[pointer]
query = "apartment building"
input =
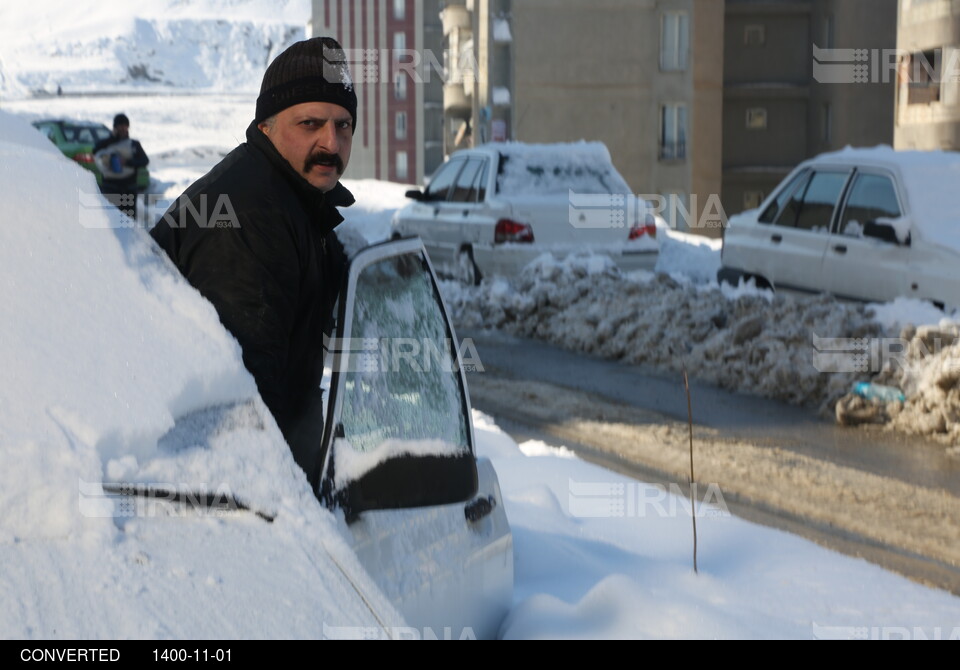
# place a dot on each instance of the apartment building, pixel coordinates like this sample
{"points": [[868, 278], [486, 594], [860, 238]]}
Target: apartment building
{"points": [[705, 105], [801, 77], [395, 52], [643, 77], [928, 55]]}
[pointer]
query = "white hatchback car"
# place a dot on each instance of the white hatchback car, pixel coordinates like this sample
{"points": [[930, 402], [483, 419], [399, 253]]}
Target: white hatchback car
{"points": [[494, 208], [863, 224]]}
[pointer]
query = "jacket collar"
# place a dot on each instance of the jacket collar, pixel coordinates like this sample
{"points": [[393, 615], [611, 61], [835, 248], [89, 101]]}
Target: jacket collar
{"points": [[312, 197]]}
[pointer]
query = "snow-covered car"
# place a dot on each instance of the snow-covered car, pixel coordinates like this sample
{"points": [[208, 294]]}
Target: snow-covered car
{"points": [[864, 224], [494, 208], [147, 492]]}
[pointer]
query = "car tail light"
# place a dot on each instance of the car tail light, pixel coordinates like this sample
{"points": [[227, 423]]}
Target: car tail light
{"points": [[511, 231], [647, 229], [83, 158]]}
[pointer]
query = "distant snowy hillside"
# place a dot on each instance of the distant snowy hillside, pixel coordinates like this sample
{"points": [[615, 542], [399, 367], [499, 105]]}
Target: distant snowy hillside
{"points": [[155, 45]]}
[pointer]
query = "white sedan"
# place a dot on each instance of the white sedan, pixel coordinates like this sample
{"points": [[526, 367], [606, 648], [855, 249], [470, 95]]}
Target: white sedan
{"points": [[493, 209], [863, 224]]}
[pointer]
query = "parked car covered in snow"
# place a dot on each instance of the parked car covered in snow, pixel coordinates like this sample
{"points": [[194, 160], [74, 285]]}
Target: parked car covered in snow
{"points": [[494, 208], [863, 224], [145, 489]]}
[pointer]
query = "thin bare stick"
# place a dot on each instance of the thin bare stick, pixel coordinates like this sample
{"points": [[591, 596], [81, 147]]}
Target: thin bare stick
{"points": [[693, 486]]}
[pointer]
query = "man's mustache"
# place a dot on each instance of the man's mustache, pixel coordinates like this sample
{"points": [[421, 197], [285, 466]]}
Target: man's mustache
{"points": [[325, 159]]}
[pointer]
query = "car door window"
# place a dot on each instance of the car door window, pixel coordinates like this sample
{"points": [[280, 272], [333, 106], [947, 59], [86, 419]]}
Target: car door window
{"points": [[775, 210], [872, 197], [85, 135], [482, 181], [402, 435], [465, 188], [820, 201], [443, 179]]}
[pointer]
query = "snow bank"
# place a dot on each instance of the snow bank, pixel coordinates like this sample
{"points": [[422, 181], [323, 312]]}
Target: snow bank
{"points": [[693, 256], [751, 342]]}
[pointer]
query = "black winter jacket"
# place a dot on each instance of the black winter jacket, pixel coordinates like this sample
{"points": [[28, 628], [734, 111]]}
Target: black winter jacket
{"points": [[257, 240]]}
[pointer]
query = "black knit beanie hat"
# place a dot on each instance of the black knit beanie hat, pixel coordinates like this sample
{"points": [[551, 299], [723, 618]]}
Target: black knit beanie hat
{"points": [[313, 70]]}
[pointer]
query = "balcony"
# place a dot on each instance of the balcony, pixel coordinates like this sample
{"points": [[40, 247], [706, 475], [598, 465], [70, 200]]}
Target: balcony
{"points": [[455, 17], [455, 100]]}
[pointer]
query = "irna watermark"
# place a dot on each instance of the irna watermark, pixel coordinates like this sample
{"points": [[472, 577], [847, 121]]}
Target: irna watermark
{"points": [[595, 500]]}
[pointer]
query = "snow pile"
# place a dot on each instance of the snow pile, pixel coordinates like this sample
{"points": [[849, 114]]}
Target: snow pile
{"points": [[627, 574], [694, 256], [368, 219], [147, 45], [750, 341], [924, 362]]}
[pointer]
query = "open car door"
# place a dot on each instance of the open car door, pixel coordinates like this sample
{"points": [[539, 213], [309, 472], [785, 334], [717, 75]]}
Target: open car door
{"points": [[424, 516]]}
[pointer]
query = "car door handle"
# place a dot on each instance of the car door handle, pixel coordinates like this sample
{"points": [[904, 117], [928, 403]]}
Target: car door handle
{"points": [[479, 508], [776, 239], [840, 248]]}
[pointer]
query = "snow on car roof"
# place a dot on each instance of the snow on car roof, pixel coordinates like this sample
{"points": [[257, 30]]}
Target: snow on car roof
{"points": [[930, 179], [581, 167]]}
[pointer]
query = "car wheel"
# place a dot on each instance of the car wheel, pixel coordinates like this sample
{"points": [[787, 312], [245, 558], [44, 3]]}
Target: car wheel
{"points": [[468, 273], [733, 277]]}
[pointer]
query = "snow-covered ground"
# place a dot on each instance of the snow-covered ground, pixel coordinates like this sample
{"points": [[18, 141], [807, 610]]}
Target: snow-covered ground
{"points": [[97, 365]]}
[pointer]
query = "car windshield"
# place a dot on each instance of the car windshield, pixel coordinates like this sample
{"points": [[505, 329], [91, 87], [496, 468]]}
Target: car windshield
{"points": [[85, 134]]}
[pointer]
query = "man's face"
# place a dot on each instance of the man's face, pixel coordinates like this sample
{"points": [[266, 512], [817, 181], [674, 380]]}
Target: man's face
{"points": [[315, 138], [122, 131]]}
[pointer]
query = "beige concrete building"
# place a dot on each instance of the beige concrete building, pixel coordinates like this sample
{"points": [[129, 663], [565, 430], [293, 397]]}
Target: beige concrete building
{"points": [[477, 96], [644, 77], [928, 53], [801, 77], [704, 104]]}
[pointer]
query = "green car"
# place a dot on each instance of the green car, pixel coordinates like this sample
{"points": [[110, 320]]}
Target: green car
{"points": [[76, 140]]}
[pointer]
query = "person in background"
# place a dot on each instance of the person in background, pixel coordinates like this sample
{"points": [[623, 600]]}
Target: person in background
{"points": [[118, 158]]}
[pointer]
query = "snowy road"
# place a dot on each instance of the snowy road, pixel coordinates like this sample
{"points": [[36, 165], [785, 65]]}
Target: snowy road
{"points": [[884, 497]]}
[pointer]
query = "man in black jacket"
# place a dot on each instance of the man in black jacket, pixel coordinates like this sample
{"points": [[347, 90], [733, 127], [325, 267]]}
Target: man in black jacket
{"points": [[255, 234], [119, 158]]}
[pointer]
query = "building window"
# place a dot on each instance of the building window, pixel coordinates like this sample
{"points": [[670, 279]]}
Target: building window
{"points": [[757, 118], [399, 9], [924, 74], [828, 32], [673, 132], [754, 35], [752, 199], [827, 127], [401, 165], [674, 41], [400, 86], [401, 125]]}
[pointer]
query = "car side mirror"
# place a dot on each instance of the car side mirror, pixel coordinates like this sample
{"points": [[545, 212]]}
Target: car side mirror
{"points": [[415, 194], [885, 232]]}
